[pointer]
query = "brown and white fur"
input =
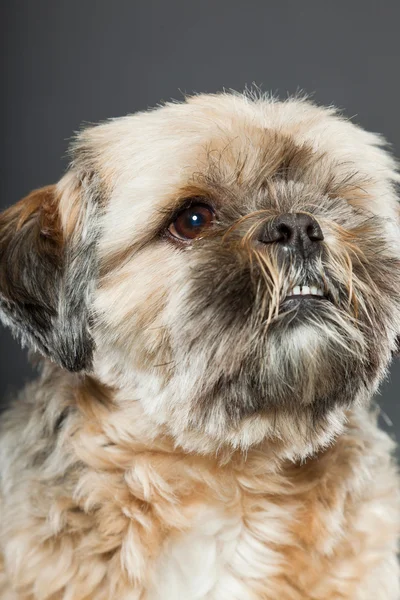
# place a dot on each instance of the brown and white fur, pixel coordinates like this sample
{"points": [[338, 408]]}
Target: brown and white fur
{"points": [[190, 437]]}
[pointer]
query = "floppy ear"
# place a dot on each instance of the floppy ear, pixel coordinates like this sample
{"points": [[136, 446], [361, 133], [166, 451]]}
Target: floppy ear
{"points": [[46, 271]]}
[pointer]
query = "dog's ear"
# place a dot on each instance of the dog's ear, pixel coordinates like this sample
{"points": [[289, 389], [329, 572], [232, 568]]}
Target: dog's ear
{"points": [[46, 268]]}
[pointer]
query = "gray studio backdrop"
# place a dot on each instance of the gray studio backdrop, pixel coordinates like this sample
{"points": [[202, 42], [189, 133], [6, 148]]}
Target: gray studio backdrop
{"points": [[64, 63]]}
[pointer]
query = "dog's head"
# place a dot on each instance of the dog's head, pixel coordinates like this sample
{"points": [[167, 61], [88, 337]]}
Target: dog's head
{"points": [[231, 263]]}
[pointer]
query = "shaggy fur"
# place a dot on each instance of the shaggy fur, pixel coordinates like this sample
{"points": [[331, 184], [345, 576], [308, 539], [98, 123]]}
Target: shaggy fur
{"points": [[193, 434]]}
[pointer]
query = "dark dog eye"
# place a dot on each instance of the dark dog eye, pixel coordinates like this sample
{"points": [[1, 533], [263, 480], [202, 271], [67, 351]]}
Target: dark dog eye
{"points": [[192, 222]]}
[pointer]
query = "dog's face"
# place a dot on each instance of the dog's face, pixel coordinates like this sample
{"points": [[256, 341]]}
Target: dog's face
{"points": [[232, 264]]}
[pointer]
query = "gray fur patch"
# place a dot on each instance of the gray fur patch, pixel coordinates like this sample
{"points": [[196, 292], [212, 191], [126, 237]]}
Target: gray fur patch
{"points": [[45, 282]]}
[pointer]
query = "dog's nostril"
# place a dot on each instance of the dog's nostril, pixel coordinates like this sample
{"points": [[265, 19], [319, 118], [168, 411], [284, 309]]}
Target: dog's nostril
{"points": [[314, 232], [285, 231]]}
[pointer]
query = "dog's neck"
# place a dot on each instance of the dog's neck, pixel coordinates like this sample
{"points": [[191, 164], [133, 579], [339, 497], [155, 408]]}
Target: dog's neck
{"points": [[112, 428]]}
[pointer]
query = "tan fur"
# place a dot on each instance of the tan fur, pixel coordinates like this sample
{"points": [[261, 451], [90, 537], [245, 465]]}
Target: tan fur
{"points": [[124, 481], [100, 517], [41, 204]]}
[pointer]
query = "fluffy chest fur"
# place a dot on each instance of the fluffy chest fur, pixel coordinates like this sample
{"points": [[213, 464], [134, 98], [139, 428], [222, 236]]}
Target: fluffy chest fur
{"points": [[260, 547], [224, 555], [93, 518]]}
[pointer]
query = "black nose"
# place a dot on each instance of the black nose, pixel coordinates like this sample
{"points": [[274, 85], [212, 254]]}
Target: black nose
{"points": [[298, 231]]}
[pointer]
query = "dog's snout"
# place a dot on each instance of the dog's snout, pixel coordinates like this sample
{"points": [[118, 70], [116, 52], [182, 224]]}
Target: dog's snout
{"points": [[298, 231]]}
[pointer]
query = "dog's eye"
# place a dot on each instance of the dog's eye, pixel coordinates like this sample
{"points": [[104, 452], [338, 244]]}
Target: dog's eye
{"points": [[192, 222]]}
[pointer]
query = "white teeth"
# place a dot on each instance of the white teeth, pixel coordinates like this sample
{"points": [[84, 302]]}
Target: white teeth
{"points": [[305, 290]]}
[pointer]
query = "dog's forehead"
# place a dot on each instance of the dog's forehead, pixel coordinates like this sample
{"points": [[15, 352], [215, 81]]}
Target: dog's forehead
{"points": [[177, 139], [127, 146], [146, 160]]}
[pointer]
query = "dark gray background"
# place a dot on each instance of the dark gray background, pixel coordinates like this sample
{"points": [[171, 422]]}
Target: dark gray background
{"points": [[64, 63]]}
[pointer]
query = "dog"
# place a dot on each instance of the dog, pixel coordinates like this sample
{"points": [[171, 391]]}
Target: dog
{"points": [[214, 289]]}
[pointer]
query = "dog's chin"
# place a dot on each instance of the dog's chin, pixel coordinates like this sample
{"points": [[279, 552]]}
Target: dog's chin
{"points": [[291, 387]]}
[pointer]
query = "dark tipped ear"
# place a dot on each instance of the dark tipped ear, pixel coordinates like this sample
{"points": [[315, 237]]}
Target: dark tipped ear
{"points": [[44, 278]]}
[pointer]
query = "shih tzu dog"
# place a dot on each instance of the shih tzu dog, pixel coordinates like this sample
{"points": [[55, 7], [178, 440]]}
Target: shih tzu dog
{"points": [[214, 287]]}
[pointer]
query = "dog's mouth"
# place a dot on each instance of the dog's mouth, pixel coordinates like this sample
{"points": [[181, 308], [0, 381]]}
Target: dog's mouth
{"points": [[306, 292]]}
